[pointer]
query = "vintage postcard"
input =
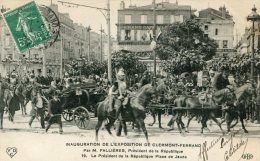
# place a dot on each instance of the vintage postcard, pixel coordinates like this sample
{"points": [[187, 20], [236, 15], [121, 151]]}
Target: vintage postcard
{"points": [[159, 80]]}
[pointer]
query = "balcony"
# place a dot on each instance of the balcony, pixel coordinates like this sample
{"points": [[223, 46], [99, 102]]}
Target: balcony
{"points": [[133, 42]]}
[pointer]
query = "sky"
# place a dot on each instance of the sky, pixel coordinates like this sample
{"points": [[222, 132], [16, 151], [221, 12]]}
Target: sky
{"points": [[239, 9]]}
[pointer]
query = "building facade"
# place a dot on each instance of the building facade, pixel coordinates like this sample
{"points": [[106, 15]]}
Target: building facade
{"points": [[73, 43], [135, 24], [219, 25], [244, 46]]}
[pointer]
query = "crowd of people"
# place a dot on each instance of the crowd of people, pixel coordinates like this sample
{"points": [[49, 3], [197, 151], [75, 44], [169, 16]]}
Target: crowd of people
{"points": [[168, 87]]}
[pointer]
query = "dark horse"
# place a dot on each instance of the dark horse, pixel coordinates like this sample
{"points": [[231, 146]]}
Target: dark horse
{"points": [[194, 107], [136, 106], [21, 91], [12, 103], [234, 109], [239, 109]]}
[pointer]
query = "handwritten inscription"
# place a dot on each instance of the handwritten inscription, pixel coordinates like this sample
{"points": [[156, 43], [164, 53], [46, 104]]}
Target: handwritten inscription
{"points": [[220, 143]]}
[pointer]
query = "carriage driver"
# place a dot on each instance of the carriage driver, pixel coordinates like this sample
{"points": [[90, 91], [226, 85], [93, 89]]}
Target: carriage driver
{"points": [[222, 86]]}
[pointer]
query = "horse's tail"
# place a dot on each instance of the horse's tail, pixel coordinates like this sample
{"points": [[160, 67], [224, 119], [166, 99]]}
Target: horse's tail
{"points": [[101, 110]]}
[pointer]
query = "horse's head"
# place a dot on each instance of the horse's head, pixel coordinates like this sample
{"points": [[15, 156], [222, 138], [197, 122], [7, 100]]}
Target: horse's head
{"points": [[146, 92], [244, 92]]}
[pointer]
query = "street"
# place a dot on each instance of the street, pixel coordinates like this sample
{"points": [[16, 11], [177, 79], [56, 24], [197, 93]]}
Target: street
{"points": [[20, 125], [28, 140]]}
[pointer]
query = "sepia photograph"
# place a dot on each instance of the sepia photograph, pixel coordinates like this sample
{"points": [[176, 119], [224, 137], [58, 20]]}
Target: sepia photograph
{"points": [[108, 80]]}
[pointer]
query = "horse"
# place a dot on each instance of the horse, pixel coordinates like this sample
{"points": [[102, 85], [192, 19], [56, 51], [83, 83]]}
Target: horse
{"points": [[12, 103], [166, 98], [234, 108], [135, 107], [239, 109], [194, 107], [21, 92]]}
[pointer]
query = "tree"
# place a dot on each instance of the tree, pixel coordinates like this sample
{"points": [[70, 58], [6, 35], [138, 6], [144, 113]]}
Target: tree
{"points": [[184, 47], [129, 62]]}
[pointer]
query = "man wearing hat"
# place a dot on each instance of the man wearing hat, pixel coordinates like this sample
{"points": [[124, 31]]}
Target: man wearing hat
{"points": [[49, 78], [40, 79], [55, 110], [221, 85]]}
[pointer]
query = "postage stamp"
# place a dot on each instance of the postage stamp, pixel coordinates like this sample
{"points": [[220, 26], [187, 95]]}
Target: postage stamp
{"points": [[27, 26]]}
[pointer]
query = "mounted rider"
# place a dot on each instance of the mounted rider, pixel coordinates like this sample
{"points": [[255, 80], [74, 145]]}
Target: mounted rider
{"points": [[223, 90], [13, 80], [122, 89]]}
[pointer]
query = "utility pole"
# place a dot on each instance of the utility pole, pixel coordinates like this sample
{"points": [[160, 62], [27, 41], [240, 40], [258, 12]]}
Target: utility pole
{"points": [[109, 62], [61, 58], [154, 37], [44, 71], [101, 43]]}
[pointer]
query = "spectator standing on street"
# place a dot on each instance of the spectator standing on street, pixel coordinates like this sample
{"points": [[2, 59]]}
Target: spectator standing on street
{"points": [[37, 109], [40, 79], [3, 86], [55, 110]]}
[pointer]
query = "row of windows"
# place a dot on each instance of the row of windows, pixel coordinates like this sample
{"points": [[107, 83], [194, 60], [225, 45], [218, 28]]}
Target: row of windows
{"points": [[159, 19], [137, 35], [224, 43]]}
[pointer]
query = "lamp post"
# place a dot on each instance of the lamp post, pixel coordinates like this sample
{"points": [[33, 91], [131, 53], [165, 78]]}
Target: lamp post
{"points": [[88, 30], [254, 16]]}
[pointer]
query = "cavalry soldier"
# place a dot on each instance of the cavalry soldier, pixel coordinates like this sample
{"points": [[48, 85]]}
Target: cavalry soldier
{"points": [[112, 94], [13, 80], [122, 90]]}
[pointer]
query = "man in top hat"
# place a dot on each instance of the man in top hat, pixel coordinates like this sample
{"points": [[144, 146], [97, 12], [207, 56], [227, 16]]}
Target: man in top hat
{"points": [[49, 78], [40, 79], [221, 85]]}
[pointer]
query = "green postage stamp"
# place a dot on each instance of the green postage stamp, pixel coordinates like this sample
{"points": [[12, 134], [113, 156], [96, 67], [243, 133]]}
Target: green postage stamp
{"points": [[26, 26]]}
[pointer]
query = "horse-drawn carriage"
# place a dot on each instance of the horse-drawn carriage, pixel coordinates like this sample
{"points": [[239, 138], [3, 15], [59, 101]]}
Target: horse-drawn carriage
{"points": [[79, 103]]}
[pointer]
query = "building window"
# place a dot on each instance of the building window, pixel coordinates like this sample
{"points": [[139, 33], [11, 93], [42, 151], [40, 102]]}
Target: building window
{"points": [[206, 27], [217, 42], [176, 18], [128, 19], [127, 35], [159, 19], [181, 18], [225, 44], [216, 31], [143, 19]]}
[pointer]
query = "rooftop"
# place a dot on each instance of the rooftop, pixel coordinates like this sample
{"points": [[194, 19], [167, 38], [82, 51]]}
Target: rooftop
{"points": [[161, 6]]}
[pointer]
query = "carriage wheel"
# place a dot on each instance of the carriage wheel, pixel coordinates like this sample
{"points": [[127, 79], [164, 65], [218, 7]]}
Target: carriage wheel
{"points": [[67, 115], [81, 117]]}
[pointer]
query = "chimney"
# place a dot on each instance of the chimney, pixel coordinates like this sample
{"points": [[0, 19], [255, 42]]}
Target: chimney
{"points": [[122, 5], [223, 12]]}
